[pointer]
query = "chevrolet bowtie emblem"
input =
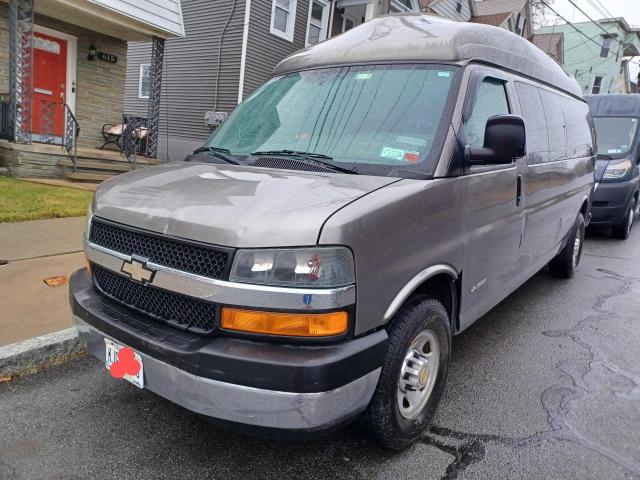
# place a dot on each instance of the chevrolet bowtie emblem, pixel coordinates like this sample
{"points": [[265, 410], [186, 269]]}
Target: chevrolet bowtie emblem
{"points": [[138, 271]]}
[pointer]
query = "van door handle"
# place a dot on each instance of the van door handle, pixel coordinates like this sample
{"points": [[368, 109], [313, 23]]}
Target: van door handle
{"points": [[519, 191]]}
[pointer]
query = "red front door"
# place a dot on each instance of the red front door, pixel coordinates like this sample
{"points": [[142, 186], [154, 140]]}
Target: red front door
{"points": [[49, 84]]}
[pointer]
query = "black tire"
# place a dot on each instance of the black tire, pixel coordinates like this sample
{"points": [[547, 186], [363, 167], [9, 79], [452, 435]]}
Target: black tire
{"points": [[565, 263], [623, 230], [383, 419]]}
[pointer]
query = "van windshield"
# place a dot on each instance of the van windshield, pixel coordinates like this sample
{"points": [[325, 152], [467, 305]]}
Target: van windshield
{"points": [[382, 119], [616, 135]]}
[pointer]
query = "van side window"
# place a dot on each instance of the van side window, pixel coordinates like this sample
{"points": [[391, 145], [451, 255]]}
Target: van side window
{"points": [[579, 139], [556, 125], [535, 123], [491, 100]]}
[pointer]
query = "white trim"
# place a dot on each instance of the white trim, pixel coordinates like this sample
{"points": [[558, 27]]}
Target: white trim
{"points": [[291, 21], [142, 65], [245, 41], [72, 61], [324, 21], [332, 12]]}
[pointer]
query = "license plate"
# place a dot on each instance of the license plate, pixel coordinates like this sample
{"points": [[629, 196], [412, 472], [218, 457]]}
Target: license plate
{"points": [[111, 357]]}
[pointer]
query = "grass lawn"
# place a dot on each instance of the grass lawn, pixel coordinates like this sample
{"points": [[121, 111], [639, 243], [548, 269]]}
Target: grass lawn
{"points": [[21, 200]]}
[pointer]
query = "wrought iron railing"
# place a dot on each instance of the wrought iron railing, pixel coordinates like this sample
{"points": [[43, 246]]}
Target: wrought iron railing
{"points": [[134, 137], [6, 130], [71, 132]]}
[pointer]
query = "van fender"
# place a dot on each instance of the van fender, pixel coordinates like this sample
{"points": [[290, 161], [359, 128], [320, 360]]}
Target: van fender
{"points": [[406, 291]]}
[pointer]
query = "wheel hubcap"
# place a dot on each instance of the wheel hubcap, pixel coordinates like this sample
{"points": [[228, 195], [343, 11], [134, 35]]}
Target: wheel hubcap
{"points": [[418, 374], [630, 223], [576, 249]]}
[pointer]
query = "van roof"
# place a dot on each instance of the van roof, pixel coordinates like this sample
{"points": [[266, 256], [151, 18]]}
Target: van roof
{"points": [[415, 37], [615, 105]]}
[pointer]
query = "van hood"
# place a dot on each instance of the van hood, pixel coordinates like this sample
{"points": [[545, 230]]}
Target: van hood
{"points": [[230, 205]]}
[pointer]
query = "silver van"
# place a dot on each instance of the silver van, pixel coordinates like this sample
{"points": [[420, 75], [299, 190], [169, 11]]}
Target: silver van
{"points": [[311, 263]]}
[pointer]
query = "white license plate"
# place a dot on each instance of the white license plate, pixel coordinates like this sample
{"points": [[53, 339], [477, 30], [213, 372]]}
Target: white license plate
{"points": [[111, 357]]}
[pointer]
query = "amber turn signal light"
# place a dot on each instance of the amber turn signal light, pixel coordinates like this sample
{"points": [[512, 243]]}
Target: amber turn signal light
{"points": [[88, 266], [285, 324]]}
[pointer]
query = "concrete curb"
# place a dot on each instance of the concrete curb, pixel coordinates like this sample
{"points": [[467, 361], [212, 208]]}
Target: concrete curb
{"points": [[32, 355]]}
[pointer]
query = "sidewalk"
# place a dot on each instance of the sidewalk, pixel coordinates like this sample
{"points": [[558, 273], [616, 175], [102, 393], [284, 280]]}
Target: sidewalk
{"points": [[37, 250]]}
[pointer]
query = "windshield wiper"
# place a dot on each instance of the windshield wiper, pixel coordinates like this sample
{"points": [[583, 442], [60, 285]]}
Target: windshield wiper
{"points": [[603, 155], [309, 157], [221, 153]]}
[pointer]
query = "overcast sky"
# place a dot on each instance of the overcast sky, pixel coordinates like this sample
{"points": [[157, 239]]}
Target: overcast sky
{"points": [[629, 9]]}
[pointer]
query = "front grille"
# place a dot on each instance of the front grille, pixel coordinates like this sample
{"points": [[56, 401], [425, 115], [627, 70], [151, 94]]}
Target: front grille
{"points": [[207, 261], [196, 315]]}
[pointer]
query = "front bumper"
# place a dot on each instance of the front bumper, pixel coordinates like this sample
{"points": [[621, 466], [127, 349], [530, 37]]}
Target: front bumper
{"points": [[610, 202], [262, 384]]}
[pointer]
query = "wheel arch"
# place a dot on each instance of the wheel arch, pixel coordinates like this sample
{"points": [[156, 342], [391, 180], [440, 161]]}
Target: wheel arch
{"points": [[440, 282]]}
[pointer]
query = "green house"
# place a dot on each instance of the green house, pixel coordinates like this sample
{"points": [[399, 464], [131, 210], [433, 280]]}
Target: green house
{"points": [[597, 56]]}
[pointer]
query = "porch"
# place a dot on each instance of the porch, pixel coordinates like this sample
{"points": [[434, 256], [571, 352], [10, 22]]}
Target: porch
{"points": [[91, 165], [62, 78]]}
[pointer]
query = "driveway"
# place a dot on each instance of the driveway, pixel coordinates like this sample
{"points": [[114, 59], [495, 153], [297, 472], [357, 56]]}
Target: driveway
{"points": [[547, 385]]}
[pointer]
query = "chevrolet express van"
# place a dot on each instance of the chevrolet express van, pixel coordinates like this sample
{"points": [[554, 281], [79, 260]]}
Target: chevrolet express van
{"points": [[311, 263], [615, 199]]}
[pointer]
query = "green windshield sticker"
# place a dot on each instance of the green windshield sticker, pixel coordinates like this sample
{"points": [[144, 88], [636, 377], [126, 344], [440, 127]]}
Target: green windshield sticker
{"points": [[363, 76], [394, 153], [444, 74]]}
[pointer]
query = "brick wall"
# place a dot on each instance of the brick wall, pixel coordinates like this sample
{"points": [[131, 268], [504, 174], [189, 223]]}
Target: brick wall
{"points": [[99, 85]]}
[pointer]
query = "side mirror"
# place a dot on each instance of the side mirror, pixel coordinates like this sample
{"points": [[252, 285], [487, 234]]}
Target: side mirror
{"points": [[504, 139]]}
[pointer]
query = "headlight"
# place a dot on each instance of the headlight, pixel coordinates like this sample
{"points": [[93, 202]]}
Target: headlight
{"points": [[318, 267], [618, 170]]}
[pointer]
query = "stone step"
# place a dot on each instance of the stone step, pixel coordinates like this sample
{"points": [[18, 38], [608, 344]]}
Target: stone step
{"points": [[83, 164], [88, 177]]}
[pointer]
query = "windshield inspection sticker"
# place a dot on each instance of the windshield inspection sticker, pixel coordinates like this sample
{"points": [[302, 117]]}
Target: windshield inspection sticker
{"points": [[413, 157], [394, 153], [363, 76], [444, 74]]}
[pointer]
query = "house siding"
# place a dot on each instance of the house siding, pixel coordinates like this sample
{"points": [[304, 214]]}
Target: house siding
{"points": [[164, 14], [582, 57], [99, 85], [265, 50], [447, 9], [190, 74]]}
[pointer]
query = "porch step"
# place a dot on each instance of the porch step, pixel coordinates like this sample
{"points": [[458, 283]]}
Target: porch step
{"points": [[87, 177], [84, 164]]}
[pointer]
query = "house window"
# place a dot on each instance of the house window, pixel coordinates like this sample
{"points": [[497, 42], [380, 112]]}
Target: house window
{"points": [[606, 46], [283, 17], [145, 80], [318, 21], [405, 6], [597, 84]]}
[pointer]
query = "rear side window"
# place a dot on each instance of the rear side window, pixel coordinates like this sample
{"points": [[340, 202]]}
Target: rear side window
{"points": [[491, 100], [552, 103], [579, 139], [535, 122]]}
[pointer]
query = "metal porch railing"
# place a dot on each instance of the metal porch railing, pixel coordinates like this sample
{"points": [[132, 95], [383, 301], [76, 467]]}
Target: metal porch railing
{"points": [[71, 132]]}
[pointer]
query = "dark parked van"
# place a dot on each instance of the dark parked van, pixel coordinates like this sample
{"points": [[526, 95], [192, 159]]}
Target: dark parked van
{"points": [[312, 262], [615, 199]]}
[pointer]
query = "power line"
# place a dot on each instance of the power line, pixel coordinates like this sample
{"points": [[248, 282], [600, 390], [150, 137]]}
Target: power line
{"points": [[577, 29]]}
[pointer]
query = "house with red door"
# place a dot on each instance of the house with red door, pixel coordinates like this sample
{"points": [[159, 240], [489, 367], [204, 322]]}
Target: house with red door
{"points": [[63, 69]]}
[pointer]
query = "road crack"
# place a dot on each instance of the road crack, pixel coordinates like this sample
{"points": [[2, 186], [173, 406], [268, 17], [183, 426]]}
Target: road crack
{"points": [[556, 400]]}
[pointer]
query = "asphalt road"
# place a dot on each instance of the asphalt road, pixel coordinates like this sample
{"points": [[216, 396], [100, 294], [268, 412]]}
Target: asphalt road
{"points": [[547, 385]]}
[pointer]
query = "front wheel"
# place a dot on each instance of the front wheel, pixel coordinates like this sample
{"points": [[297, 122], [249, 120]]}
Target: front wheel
{"points": [[623, 230], [414, 373], [564, 264]]}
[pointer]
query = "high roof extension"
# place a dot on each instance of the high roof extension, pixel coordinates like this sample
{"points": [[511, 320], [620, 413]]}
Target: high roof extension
{"points": [[415, 37]]}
